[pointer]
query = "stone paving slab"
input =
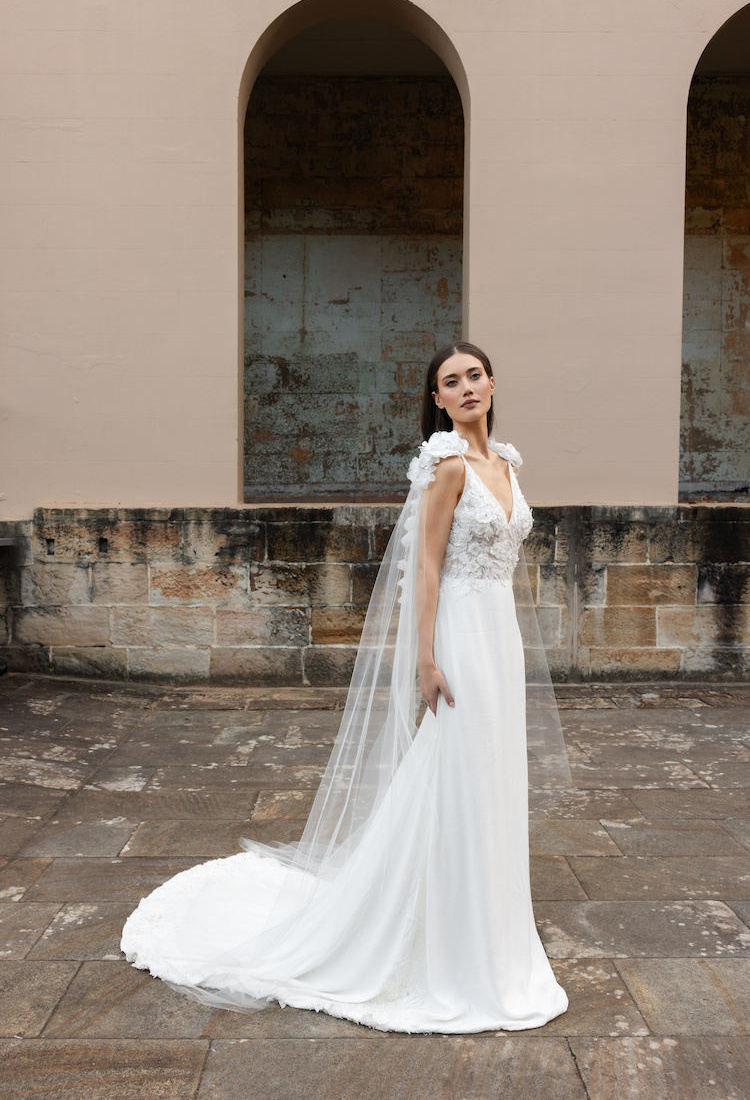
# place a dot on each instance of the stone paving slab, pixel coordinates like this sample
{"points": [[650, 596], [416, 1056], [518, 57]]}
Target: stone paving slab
{"points": [[670, 772], [294, 727], [124, 778], [720, 766], [94, 879], [623, 754], [29, 992], [282, 805], [552, 877], [235, 779], [107, 1000], [668, 727], [22, 925], [616, 805], [314, 755], [577, 837], [101, 1069], [158, 805], [55, 764], [17, 875], [600, 1002], [658, 1067], [640, 880], [273, 831], [173, 839], [27, 800], [739, 829], [719, 1000], [153, 752], [202, 726], [81, 930], [669, 877], [397, 1067], [741, 909], [15, 832], [624, 929], [680, 805], [94, 838], [674, 838]]}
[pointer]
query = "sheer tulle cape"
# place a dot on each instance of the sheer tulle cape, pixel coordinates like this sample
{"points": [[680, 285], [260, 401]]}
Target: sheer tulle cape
{"points": [[379, 723]]}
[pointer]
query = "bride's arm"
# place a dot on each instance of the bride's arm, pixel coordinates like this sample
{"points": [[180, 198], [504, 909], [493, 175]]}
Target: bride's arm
{"points": [[438, 504]]}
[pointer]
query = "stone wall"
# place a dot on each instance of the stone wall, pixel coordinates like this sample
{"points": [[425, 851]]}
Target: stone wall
{"points": [[715, 414], [277, 595], [353, 223]]}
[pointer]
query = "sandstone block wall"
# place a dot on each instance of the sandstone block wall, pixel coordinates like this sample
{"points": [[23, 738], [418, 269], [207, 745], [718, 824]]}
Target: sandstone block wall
{"points": [[277, 595]]}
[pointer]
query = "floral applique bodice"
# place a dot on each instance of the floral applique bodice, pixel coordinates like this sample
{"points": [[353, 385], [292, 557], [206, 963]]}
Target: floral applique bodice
{"points": [[483, 545]]}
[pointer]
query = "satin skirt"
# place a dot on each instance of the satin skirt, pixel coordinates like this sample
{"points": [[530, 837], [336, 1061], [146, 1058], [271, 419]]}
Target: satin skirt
{"points": [[445, 941]]}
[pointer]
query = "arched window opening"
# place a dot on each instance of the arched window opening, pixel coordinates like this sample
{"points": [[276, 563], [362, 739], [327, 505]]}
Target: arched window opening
{"points": [[715, 409], [353, 149]]}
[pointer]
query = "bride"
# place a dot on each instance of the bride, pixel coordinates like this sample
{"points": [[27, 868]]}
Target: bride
{"points": [[406, 904]]}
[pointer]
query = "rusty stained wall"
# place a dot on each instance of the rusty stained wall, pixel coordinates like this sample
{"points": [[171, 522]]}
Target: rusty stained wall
{"points": [[715, 422], [354, 195]]}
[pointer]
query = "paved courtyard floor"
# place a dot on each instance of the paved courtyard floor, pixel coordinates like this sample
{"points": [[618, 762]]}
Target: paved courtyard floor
{"points": [[641, 892]]}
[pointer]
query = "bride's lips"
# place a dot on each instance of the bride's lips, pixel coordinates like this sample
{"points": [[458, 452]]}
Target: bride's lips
{"points": [[469, 403]]}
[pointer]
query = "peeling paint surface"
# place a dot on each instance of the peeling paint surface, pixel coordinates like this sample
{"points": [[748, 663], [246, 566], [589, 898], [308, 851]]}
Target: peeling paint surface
{"points": [[352, 278], [715, 407]]}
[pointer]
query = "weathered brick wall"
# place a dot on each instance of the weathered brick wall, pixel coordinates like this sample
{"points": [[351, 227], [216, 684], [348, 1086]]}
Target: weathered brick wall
{"points": [[277, 595], [715, 414], [354, 205]]}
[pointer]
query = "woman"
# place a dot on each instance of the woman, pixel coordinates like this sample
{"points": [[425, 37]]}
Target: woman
{"points": [[406, 903]]}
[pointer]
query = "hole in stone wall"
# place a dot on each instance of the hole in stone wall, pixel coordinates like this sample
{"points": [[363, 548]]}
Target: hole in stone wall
{"points": [[354, 141], [103, 546], [715, 409], [50, 543]]}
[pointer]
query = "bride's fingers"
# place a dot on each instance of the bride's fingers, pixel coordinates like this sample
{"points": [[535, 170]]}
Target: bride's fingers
{"points": [[446, 691], [437, 687]]}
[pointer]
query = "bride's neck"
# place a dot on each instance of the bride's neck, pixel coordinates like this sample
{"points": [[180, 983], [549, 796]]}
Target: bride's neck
{"points": [[477, 437]]}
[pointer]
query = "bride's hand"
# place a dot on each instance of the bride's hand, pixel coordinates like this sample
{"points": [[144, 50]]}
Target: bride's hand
{"points": [[431, 684]]}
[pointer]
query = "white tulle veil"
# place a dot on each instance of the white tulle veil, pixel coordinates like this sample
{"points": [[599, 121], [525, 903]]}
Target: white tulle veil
{"points": [[380, 722]]}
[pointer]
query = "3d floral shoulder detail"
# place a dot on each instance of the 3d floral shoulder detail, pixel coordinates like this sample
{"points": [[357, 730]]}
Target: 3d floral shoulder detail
{"points": [[439, 445], [507, 450]]}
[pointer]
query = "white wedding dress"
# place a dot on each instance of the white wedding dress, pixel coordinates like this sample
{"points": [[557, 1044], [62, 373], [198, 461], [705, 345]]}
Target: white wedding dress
{"points": [[449, 943]]}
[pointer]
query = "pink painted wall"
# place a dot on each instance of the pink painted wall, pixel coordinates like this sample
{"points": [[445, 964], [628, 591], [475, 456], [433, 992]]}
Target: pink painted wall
{"points": [[121, 230]]}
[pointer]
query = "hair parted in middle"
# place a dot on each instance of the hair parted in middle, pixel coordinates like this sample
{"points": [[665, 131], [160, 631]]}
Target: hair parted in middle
{"points": [[435, 419]]}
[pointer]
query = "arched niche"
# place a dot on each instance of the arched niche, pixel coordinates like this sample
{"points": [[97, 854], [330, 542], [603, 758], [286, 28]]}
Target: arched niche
{"points": [[353, 154], [715, 405]]}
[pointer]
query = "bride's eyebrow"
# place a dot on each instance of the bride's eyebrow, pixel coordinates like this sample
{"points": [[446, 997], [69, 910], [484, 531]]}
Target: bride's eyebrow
{"points": [[469, 371]]}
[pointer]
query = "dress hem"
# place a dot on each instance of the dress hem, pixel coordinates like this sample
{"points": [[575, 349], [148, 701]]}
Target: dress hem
{"points": [[333, 1009]]}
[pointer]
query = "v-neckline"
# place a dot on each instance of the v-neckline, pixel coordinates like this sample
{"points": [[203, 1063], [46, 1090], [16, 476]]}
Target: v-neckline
{"points": [[487, 489]]}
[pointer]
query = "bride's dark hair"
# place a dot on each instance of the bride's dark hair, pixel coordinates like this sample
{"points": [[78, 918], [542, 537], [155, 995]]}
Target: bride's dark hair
{"points": [[433, 418]]}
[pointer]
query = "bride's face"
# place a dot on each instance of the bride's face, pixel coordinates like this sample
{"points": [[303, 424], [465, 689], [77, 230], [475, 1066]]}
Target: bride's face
{"points": [[464, 389]]}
